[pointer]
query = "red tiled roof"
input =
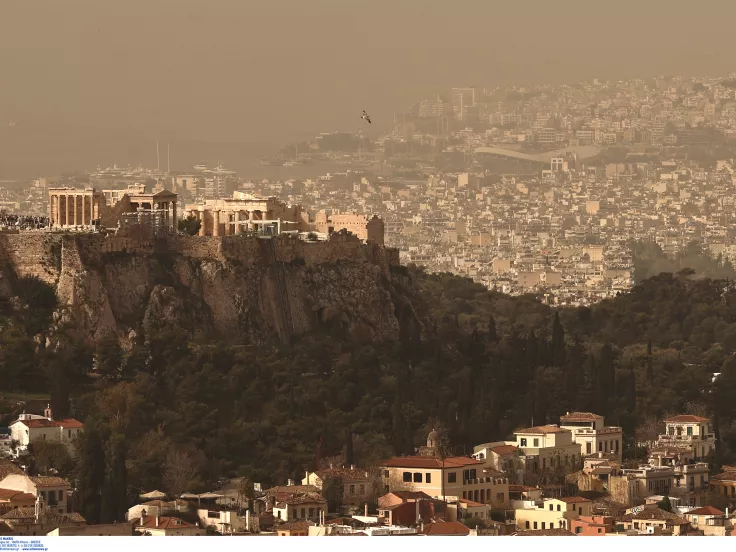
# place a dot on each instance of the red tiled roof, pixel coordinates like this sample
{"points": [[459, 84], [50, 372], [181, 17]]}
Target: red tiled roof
{"points": [[149, 522], [544, 533], [580, 417], [445, 528], [541, 430], [343, 473], [70, 423], [10, 495], [410, 495], [427, 462], [705, 511], [686, 419], [46, 481], [503, 450]]}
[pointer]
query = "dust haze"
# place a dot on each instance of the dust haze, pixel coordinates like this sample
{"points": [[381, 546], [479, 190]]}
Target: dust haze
{"points": [[92, 81]]}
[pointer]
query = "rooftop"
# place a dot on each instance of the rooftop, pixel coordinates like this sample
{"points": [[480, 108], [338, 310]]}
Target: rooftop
{"points": [[540, 430], [686, 419], [580, 417], [427, 462]]}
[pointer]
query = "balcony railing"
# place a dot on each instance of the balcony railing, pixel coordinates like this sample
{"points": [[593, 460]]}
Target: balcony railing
{"points": [[704, 437], [602, 431], [480, 480]]}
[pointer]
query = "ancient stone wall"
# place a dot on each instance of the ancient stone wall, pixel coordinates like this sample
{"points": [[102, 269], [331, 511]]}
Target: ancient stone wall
{"points": [[32, 254]]}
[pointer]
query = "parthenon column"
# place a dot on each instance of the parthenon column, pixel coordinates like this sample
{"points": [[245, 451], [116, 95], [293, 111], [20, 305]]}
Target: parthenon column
{"points": [[84, 210], [76, 210], [66, 208]]}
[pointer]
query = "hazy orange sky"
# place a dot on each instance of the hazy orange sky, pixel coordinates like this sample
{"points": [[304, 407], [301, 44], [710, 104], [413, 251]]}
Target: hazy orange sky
{"points": [[275, 70]]}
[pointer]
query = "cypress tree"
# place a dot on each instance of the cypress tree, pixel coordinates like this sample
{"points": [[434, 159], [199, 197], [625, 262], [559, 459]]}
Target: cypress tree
{"points": [[558, 342], [91, 474]]}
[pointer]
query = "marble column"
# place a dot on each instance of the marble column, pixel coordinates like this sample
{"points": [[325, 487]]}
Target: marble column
{"points": [[76, 209], [201, 222], [216, 222], [84, 210], [66, 209]]}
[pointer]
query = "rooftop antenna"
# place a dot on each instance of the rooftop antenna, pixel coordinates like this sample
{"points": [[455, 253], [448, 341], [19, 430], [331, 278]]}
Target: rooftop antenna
{"points": [[168, 157], [158, 158]]}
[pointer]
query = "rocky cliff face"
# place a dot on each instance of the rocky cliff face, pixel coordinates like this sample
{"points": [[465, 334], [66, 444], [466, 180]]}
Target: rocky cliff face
{"points": [[255, 297]]}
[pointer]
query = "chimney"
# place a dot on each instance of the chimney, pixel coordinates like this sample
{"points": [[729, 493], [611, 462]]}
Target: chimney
{"points": [[143, 515], [290, 483], [418, 517], [247, 520], [366, 509], [38, 508], [157, 519], [306, 476]]}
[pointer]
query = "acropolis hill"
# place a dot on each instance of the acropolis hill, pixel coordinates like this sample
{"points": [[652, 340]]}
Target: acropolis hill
{"points": [[246, 286]]}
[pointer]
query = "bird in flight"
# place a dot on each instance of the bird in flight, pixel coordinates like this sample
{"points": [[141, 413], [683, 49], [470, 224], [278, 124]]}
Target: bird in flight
{"points": [[365, 116]]}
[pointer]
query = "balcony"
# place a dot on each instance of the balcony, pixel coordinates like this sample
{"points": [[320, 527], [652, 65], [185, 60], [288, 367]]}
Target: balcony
{"points": [[608, 430], [688, 438], [482, 480]]}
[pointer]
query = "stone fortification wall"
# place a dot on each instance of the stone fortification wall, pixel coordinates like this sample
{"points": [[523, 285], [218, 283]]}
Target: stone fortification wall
{"points": [[32, 254], [43, 254]]}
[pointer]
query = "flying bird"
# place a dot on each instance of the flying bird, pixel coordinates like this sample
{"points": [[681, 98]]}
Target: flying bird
{"points": [[366, 117]]}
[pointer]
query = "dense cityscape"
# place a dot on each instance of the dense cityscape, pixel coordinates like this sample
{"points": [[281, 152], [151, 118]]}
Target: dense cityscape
{"points": [[571, 195]]}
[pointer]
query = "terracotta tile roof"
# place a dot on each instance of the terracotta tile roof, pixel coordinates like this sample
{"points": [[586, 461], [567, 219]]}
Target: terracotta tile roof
{"points": [[296, 526], [292, 489], [410, 495], [71, 423], [503, 450], [8, 468], [427, 462], [47, 481], [29, 513], [580, 417], [445, 528], [544, 533], [149, 522], [656, 514], [43, 422], [9, 494], [303, 498], [686, 419], [541, 430], [574, 499], [705, 511], [728, 474]]}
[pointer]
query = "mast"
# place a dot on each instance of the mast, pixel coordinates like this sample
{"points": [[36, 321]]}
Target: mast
{"points": [[158, 158], [168, 158]]}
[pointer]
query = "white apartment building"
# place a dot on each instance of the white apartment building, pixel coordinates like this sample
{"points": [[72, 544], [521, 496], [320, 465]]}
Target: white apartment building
{"points": [[591, 433]]}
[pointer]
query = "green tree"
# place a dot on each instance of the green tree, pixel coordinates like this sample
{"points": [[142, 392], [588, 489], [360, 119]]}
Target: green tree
{"points": [[91, 472], [114, 501], [189, 225], [665, 504], [109, 357], [332, 491], [558, 341]]}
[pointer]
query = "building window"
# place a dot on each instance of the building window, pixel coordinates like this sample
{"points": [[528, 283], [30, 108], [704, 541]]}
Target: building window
{"points": [[386, 474], [616, 445], [500, 497], [527, 525], [428, 477], [600, 530], [452, 477], [522, 442], [362, 489], [407, 477], [311, 512], [551, 507], [689, 430], [587, 448], [535, 525], [304, 513], [600, 446], [578, 530], [417, 478], [352, 489], [544, 525], [536, 442], [558, 507], [473, 474]]}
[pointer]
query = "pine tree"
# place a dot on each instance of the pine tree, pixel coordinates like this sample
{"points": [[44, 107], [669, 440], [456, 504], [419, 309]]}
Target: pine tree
{"points": [[650, 368]]}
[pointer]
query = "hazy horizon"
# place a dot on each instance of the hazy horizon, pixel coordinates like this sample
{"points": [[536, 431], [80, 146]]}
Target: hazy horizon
{"points": [[86, 75]]}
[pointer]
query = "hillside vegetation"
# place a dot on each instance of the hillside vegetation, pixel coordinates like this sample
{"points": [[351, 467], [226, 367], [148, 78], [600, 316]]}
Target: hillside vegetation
{"points": [[180, 410]]}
